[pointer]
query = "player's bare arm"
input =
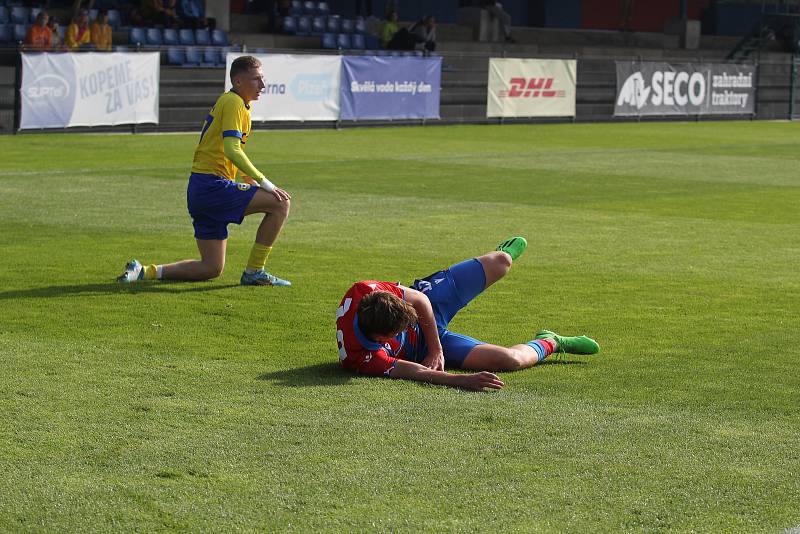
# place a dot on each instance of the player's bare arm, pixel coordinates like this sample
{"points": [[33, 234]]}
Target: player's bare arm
{"points": [[435, 358], [474, 382]]}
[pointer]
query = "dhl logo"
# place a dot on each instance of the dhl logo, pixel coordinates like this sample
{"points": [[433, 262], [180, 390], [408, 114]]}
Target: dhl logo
{"points": [[532, 88]]}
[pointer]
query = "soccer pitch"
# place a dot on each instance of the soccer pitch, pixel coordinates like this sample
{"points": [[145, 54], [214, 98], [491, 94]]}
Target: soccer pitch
{"points": [[214, 407]]}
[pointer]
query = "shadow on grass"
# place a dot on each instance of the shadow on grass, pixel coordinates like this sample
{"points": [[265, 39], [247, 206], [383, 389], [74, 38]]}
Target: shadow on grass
{"points": [[112, 288], [321, 374], [562, 362]]}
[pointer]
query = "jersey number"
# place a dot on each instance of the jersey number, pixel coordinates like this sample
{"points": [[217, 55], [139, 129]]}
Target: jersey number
{"points": [[207, 125], [340, 311]]}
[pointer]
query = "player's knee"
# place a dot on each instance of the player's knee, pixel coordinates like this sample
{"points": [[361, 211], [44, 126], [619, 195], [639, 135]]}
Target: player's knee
{"points": [[283, 208], [213, 270], [510, 360]]}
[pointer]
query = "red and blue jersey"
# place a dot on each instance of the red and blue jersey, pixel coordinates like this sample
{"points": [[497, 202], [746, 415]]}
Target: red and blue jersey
{"points": [[356, 351]]}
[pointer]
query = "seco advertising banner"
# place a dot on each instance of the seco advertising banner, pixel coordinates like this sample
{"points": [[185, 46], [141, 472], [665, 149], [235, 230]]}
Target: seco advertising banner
{"points": [[298, 87], [88, 89], [658, 88], [381, 87], [531, 88]]}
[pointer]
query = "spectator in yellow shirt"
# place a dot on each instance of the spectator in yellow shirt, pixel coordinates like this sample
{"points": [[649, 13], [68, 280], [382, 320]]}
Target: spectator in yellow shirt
{"points": [[78, 33], [101, 32]]}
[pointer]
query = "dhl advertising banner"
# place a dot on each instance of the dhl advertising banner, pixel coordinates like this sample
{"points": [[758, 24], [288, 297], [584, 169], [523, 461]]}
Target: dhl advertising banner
{"points": [[658, 88], [531, 88], [298, 87], [88, 89]]}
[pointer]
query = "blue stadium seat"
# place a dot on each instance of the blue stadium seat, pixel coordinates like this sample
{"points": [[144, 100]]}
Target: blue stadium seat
{"points": [[297, 8], [357, 42], [4, 15], [343, 41], [318, 25], [290, 25], [202, 37], [114, 18], [347, 26], [171, 37], [34, 13], [303, 25], [20, 15], [223, 53], [6, 35], [211, 56], [323, 8], [309, 8], [371, 42], [175, 56], [193, 57], [334, 24], [219, 38], [92, 14], [153, 37], [329, 41], [186, 37], [137, 35], [360, 26], [20, 31]]}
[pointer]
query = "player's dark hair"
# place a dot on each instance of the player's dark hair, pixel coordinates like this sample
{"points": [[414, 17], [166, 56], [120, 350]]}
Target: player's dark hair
{"points": [[243, 64], [381, 313]]}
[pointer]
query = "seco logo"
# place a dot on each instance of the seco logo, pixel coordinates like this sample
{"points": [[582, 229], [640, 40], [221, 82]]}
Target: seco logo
{"points": [[667, 88], [531, 88]]}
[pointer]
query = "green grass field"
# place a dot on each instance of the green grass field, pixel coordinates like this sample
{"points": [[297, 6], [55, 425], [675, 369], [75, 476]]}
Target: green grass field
{"points": [[212, 407]]}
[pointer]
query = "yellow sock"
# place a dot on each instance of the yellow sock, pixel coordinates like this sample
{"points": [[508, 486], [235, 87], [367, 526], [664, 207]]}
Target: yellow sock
{"points": [[258, 257], [150, 272]]}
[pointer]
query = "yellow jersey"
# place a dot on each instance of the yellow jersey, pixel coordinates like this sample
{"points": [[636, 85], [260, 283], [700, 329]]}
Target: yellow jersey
{"points": [[230, 117]]}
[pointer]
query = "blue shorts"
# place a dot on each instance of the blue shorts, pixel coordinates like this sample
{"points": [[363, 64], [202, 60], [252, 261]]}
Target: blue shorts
{"points": [[214, 202], [449, 291]]}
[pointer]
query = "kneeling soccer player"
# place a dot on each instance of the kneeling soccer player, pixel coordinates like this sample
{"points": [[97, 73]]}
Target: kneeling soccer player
{"points": [[215, 199], [385, 329]]}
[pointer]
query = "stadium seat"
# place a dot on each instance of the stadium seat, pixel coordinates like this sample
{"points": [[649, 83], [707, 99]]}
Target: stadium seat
{"points": [[347, 26], [137, 36], [219, 38], [19, 15], [193, 57], [371, 42], [6, 35], [186, 37], [4, 15], [296, 9], [360, 26], [290, 25], [153, 37], [20, 31], [175, 56], [114, 18], [333, 24], [318, 25], [303, 25], [343, 41], [92, 14], [223, 53], [211, 56], [323, 8], [329, 41], [34, 13], [357, 42], [309, 8], [202, 37], [170, 37]]}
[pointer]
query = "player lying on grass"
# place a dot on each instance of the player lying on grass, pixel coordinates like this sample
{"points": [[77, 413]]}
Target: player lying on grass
{"points": [[385, 329], [215, 199]]}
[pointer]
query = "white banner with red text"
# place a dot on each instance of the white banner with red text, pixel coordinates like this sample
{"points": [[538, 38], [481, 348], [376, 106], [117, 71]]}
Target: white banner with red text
{"points": [[297, 87], [91, 89], [531, 87]]}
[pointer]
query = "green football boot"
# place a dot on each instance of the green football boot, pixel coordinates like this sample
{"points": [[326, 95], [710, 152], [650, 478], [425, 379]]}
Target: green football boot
{"points": [[571, 344], [514, 246]]}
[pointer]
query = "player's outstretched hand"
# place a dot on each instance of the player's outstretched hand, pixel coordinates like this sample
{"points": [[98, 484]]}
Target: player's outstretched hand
{"points": [[280, 194], [481, 381]]}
